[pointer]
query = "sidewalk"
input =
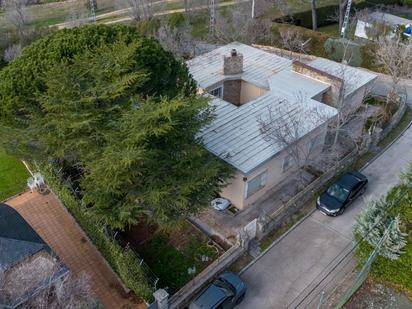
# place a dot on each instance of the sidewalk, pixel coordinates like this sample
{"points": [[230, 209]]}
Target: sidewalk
{"points": [[58, 228]]}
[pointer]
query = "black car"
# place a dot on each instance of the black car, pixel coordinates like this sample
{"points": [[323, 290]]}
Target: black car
{"points": [[225, 292], [341, 193]]}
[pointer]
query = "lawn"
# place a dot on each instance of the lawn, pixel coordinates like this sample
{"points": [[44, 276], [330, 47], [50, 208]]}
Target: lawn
{"points": [[13, 175]]}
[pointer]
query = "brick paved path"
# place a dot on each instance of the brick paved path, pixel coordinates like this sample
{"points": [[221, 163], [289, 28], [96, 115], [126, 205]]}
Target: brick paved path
{"points": [[58, 228]]}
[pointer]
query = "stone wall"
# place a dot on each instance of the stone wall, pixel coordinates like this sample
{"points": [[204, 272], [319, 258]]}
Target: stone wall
{"points": [[233, 63], [331, 97]]}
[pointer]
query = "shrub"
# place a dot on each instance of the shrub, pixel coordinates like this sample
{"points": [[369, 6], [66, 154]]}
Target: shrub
{"points": [[398, 271], [124, 263]]}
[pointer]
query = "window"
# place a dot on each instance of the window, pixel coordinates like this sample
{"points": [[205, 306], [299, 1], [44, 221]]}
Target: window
{"points": [[217, 92], [316, 141], [287, 162], [256, 183]]}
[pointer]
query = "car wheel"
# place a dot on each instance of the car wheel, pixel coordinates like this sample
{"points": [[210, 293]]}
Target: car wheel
{"points": [[240, 299], [341, 211], [363, 190]]}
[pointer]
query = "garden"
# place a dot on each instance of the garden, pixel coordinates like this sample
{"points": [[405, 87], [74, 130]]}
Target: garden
{"points": [[13, 175], [175, 256]]}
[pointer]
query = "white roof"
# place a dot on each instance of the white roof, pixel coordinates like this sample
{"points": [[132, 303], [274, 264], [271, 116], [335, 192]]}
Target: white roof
{"points": [[234, 135], [389, 18]]}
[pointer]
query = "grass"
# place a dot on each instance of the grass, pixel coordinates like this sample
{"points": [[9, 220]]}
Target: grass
{"points": [[397, 272], [13, 176], [331, 30]]}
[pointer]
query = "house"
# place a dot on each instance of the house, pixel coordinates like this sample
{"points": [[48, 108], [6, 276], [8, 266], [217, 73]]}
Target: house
{"points": [[246, 84], [371, 25], [27, 264]]}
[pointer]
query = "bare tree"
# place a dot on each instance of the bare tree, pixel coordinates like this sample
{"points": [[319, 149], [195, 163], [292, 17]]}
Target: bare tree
{"points": [[16, 12], [394, 56], [238, 25], [177, 40], [12, 52], [137, 9], [41, 278], [283, 125], [292, 40]]}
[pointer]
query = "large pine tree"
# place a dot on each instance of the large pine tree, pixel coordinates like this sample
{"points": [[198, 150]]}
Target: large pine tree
{"points": [[122, 109]]}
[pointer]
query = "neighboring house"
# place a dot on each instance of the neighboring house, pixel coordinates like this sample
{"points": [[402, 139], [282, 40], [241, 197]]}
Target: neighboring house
{"points": [[27, 264], [246, 83], [374, 24]]}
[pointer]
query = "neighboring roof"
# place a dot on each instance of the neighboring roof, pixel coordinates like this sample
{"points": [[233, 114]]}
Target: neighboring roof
{"points": [[18, 240], [353, 78], [389, 18]]}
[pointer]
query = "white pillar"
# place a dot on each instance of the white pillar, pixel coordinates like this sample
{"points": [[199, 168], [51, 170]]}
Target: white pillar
{"points": [[162, 299]]}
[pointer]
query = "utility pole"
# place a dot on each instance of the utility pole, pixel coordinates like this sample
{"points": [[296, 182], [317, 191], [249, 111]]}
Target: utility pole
{"points": [[346, 19], [212, 17], [93, 10], [253, 8]]}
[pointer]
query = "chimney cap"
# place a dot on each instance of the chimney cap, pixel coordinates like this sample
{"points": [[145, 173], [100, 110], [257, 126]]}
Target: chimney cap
{"points": [[233, 52]]}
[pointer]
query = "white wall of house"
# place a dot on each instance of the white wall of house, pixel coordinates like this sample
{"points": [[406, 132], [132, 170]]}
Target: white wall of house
{"points": [[244, 190]]}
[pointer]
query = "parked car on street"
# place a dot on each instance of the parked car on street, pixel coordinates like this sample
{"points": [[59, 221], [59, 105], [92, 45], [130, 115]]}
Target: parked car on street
{"points": [[220, 203], [342, 193], [225, 292]]}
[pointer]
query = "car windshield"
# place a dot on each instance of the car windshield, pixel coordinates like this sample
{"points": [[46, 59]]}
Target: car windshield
{"points": [[225, 286], [338, 192]]}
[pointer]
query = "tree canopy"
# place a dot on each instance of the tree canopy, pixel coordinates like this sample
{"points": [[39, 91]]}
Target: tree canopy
{"points": [[123, 110]]}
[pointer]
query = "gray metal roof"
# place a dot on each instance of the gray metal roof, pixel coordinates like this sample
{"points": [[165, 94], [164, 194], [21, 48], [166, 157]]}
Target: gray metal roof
{"points": [[234, 135], [389, 18], [353, 78]]}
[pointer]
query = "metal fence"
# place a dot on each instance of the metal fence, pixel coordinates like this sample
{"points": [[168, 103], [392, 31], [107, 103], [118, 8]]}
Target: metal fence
{"points": [[293, 204]]}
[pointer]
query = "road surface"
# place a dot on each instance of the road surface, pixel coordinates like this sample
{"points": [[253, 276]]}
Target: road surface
{"points": [[288, 274]]}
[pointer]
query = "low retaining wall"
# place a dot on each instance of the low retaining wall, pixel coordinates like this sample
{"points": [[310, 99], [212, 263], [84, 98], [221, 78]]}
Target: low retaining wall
{"points": [[182, 297]]}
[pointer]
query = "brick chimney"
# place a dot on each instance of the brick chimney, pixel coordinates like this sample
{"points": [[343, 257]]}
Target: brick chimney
{"points": [[233, 64]]}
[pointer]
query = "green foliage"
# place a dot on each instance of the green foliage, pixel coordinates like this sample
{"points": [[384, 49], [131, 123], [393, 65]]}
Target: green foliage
{"points": [[175, 20], [23, 82], [154, 165], [123, 111], [398, 271], [125, 264], [316, 39], [170, 264], [343, 49], [13, 175]]}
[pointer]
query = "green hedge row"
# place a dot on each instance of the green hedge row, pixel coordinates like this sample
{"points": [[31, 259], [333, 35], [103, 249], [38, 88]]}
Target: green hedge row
{"points": [[125, 264], [324, 13]]}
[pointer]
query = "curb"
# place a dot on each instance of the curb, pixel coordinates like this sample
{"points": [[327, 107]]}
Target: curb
{"points": [[311, 212]]}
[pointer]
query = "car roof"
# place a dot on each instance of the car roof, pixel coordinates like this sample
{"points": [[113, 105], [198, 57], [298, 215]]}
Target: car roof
{"points": [[348, 181], [210, 298]]}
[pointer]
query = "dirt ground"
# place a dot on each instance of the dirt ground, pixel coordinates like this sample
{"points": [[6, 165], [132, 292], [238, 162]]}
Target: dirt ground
{"points": [[377, 296]]}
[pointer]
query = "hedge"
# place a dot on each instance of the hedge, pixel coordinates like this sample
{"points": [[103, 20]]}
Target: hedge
{"points": [[124, 263]]}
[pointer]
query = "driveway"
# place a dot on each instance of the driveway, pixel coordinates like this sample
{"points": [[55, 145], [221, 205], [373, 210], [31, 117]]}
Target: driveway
{"points": [[57, 227], [307, 260]]}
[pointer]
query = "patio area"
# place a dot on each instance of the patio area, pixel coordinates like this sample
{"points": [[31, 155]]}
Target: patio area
{"points": [[225, 225]]}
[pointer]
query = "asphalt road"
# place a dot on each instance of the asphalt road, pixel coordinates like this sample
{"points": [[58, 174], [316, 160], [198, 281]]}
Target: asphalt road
{"points": [[283, 277]]}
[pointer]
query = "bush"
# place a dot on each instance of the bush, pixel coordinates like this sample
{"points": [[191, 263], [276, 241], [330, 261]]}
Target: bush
{"points": [[399, 271], [124, 263]]}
